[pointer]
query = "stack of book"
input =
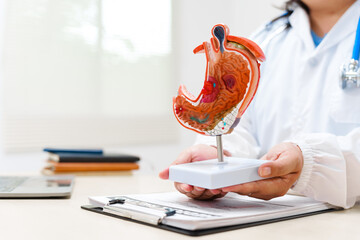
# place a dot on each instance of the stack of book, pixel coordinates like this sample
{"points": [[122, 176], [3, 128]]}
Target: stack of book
{"points": [[88, 160]]}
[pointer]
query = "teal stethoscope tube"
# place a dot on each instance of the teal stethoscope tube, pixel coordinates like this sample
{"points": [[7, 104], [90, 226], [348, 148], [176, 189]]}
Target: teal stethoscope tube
{"points": [[356, 50]]}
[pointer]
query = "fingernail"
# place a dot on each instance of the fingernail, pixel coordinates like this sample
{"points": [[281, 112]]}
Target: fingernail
{"points": [[215, 191], [186, 188], [266, 171]]}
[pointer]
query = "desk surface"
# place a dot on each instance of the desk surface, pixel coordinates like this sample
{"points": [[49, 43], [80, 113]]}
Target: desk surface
{"points": [[63, 218]]}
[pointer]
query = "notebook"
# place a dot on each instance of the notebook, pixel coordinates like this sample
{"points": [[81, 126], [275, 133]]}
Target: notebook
{"points": [[89, 167], [36, 186], [176, 212]]}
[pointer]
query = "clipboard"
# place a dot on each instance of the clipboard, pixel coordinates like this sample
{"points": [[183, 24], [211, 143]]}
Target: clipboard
{"points": [[201, 232], [129, 212]]}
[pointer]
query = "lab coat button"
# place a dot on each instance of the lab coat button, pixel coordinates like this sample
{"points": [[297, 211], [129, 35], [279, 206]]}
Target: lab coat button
{"points": [[312, 61]]}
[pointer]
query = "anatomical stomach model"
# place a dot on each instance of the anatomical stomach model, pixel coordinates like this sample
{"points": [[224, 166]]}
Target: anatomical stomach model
{"points": [[231, 81]]}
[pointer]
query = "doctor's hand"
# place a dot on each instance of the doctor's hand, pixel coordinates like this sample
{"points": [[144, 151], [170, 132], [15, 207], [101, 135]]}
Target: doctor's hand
{"points": [[196, 153], [284, 168]]}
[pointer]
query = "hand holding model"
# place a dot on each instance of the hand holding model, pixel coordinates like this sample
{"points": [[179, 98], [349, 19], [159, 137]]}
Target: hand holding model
{"points": [[283, 170], [192, 154]]}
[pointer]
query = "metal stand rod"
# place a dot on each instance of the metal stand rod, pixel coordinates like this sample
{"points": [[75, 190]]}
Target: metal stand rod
{"points": [[219, 144]]}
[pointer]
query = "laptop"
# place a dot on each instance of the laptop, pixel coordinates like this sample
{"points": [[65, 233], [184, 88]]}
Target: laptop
{"points": [[36, 186]]}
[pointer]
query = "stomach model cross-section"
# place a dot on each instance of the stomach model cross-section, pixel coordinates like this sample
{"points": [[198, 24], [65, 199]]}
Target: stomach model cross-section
{"points": [[231, 81]]}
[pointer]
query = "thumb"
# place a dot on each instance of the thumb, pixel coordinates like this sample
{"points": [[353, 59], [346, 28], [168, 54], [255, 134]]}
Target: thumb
{"points": [[184, 157], [279, 167], [164, 174]]}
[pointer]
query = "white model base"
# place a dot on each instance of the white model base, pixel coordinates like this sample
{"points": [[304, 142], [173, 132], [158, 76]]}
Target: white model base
{"points": [[211, 174]]}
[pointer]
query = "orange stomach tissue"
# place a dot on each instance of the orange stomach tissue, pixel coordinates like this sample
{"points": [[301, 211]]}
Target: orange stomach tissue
{"points": [[231, 80]]}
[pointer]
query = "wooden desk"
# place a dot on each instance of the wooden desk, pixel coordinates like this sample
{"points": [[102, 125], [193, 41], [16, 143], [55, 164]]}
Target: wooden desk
{"points": [[63, 218]]}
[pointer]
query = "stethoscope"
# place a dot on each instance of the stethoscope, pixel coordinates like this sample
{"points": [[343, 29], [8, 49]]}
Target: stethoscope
{"points": [[349, 72]]}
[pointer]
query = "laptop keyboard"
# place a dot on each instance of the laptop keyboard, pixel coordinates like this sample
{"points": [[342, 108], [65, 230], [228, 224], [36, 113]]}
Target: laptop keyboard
{"points": [[7, 184]]}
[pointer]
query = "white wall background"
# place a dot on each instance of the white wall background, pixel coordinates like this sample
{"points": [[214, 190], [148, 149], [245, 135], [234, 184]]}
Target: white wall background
{"points": [[86, 73], [192, 23]]}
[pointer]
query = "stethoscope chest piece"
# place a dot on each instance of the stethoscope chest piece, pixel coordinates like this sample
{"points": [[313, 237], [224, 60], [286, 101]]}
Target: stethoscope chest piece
{"points": [[350, 71], [350, 74]]}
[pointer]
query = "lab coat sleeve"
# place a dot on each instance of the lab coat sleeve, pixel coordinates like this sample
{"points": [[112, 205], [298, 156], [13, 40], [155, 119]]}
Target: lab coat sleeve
{"points": [[240, 143], [331, 170]]}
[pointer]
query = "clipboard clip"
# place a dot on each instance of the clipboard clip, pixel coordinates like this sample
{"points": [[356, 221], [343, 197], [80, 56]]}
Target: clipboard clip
{"points": [[129, 209]]}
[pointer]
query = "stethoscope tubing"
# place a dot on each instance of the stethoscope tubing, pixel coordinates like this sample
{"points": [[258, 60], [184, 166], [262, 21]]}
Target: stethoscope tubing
{"points": [[356, 50]]}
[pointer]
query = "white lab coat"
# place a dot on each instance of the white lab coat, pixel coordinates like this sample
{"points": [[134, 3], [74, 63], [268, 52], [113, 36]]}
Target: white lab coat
{"points": [[299, 100]]}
